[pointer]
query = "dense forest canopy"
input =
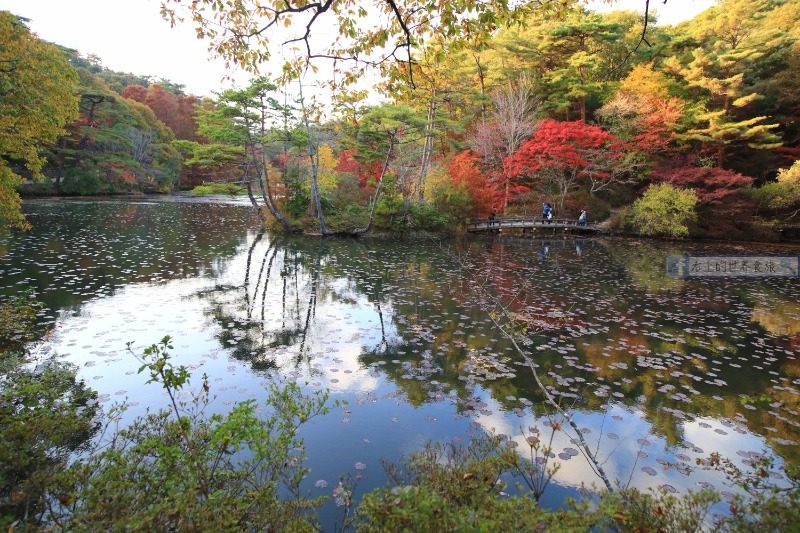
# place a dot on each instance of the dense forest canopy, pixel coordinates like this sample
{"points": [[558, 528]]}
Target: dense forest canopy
{"points": [[483, 109], [37, 86]]}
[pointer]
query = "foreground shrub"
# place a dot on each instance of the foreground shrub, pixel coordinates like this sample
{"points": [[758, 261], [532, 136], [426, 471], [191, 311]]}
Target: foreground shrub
{"points": [[460, 488], [781, 199], [46, 415], [426, 217], [449, 488], [350, 218], [180, 470]]}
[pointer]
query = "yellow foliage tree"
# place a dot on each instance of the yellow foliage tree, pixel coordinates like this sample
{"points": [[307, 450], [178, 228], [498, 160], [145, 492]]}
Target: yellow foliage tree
{"points": [[646, 81], [326, 173], [782, 197], [37, 98]]}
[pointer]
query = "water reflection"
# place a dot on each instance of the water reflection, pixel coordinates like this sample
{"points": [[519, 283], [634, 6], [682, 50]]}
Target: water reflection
{"points": [[657, 371], [80, 250], [614, 331]]}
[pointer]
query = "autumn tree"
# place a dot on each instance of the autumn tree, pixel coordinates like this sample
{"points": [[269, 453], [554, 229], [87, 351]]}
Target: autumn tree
{"points": [[714, 186], [561, 154], [135, 92], [448, 201], [367, 172], [177, 111], [244, 117], [464, 170], [37, 98], [116, 145], [425, 97], [512, 120], [186, 119], [312, 145], [247, 33], [451, 90], [164, 104], [327, 177], [644, 115], [380, 132]]}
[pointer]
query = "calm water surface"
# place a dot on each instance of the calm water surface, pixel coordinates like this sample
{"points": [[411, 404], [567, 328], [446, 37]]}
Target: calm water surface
{"points": [[657, 371]]}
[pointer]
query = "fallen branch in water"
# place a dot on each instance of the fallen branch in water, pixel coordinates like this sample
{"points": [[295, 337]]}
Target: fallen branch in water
{"points": [[497, 304]]}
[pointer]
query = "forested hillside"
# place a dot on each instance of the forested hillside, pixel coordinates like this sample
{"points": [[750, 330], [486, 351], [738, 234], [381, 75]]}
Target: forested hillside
{"points": [[579, 109]]}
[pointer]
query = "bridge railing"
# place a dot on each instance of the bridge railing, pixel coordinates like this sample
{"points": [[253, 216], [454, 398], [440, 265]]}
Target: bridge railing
{"points": [[527, 221]]}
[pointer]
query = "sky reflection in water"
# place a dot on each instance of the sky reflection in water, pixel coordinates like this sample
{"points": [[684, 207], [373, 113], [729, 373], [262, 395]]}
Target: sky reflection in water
{"points": [[654, 368]]}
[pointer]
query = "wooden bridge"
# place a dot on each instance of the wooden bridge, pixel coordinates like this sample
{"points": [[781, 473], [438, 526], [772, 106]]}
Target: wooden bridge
{"points": [[523, 223]]}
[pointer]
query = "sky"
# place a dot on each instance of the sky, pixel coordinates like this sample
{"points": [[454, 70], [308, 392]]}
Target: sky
{"points": [[130, 36]]}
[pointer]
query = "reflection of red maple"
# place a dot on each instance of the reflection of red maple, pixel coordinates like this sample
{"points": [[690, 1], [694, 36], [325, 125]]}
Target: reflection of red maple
{"points": [[464, 168]]}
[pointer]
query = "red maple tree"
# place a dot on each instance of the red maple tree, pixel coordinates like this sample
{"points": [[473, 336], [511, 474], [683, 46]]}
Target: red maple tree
{"points": [[367, 174], [724, 207], [561, 153], [714, 186]]}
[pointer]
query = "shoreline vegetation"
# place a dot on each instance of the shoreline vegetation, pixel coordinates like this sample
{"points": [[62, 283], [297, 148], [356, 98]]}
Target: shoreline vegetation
{"points": [[225, 192]]}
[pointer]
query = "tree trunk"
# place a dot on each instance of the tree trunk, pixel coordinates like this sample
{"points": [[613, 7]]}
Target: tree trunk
{"points": [[313, 157], [582, 71], [249, 181], [60, 168], [266, 192], [378, 190], [427, 149], [482, 80]]}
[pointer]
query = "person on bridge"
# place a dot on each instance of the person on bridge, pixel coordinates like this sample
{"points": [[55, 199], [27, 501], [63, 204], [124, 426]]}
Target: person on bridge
{"points": [[547, 212], [582, 218]]}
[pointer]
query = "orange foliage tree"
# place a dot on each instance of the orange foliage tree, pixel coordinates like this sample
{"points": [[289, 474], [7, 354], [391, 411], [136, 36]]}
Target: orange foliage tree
{"points": [[464, 168], [644, 114], [178, 112]]}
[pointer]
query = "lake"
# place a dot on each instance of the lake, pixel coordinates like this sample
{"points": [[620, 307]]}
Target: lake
{"points": [[657, 371]]}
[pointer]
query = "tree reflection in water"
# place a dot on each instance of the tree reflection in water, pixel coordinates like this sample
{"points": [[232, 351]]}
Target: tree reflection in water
{"points": [[657, 372], [603, 324]]}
